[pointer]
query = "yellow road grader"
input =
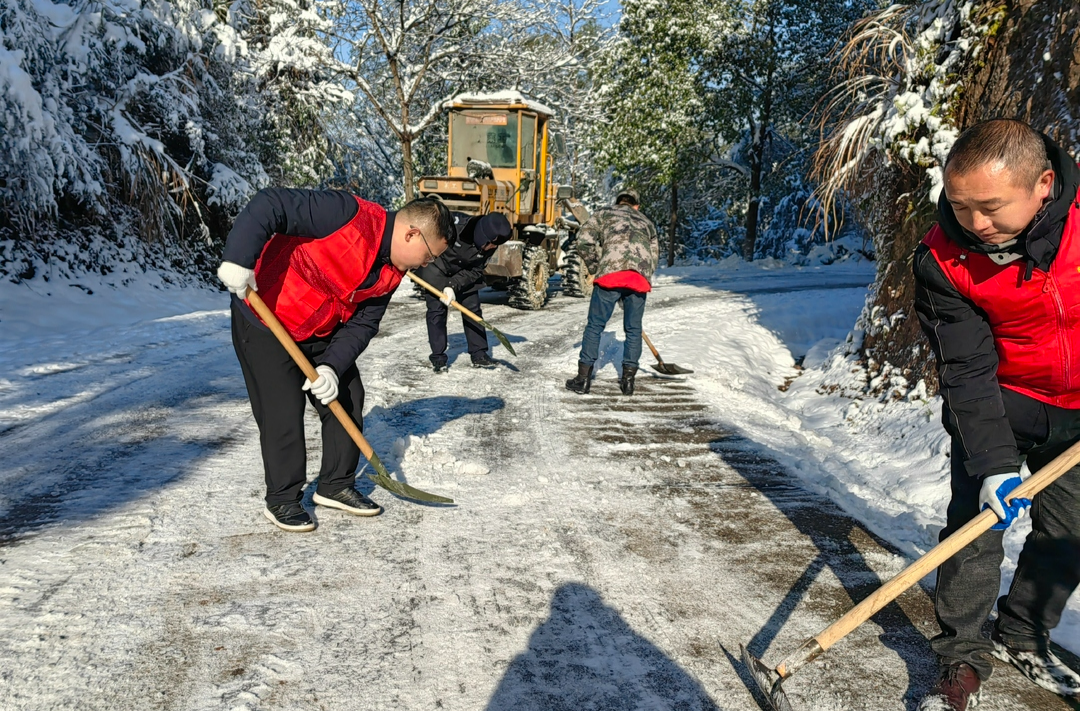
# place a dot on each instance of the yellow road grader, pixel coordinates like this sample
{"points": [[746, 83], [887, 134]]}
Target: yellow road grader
{"points": [[499, 159]]}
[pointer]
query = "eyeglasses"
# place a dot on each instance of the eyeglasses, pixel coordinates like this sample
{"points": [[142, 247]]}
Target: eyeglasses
{"points": [[431, 255]]}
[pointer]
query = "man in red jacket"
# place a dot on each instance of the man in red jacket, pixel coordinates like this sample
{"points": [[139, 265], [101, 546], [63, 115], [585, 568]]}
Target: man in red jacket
{"points": [[326, 263], [998, 296]]}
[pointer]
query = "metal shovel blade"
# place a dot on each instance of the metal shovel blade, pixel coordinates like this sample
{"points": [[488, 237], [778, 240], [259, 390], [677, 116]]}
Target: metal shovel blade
{"points": [[767, 680], [499, 335], [670, 368], [383, 479], [407, 492]]}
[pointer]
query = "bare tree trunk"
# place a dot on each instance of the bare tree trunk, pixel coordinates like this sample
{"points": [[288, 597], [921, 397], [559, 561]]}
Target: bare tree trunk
{"points": [[1030, 70], [407, 165], [757, 153], [757, 161], [673, 222], [755, 199]]}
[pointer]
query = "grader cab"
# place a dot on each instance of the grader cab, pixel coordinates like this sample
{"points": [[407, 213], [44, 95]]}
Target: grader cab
{"points": [[500, 159]]}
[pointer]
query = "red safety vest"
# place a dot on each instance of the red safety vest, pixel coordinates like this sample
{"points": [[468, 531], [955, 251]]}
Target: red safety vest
{"points": [[1036, 323], [312, 285]]}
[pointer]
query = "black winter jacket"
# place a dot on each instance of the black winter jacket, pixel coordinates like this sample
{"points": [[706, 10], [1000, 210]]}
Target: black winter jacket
{"points": [[973, 411], [461, 266]]}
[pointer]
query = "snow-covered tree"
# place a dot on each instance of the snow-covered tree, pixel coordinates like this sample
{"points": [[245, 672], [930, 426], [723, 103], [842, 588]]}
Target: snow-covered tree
{"points": [[652, 94], [407, 58], [764, 78], [297, 82], [555, 61], [158, 118], [911, 78]]}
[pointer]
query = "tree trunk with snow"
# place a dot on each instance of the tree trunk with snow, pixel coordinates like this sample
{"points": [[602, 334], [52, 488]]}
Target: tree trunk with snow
{"points": [[1029, 69]]}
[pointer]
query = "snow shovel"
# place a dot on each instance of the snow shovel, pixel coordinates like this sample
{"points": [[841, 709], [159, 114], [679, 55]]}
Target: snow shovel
{"points": [[770, 680], [381, 476], [462, 309], [661, 366]]}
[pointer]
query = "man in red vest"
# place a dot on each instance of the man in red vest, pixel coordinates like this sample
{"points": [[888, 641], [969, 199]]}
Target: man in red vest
{"points": [[326, 263], [997, 291]]}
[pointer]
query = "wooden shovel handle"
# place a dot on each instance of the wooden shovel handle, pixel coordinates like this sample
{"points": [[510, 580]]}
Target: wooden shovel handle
{"points": [[656, 353], [310, 373], [441, 295], [932, 559]]}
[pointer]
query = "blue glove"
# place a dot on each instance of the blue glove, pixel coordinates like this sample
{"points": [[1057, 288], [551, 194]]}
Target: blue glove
{"points": [[995, 489]]}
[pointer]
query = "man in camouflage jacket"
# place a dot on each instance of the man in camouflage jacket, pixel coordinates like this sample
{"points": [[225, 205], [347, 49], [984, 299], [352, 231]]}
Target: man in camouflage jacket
{"points": [[619, 245]]}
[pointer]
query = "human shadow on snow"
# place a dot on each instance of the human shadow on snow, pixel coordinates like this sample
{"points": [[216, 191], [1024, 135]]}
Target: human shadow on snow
{"points": [[585, 656]]}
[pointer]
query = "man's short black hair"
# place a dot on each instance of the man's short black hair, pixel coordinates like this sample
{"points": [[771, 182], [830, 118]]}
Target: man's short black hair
{"points": [[1010, 143], [431, 213]]}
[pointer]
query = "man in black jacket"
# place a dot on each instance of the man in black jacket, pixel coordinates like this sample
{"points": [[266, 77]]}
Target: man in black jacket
{"points": [[326, 263], [998, 296], [459, 274]]}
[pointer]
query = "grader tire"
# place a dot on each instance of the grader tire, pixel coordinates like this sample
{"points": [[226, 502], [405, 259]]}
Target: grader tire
{"points": [[529, 291], [577, 281]]}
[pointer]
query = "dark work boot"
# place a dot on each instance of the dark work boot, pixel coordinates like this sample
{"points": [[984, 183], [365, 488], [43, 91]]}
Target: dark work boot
{"points": [[439, 363], [957, 689], [626, 382], [483, 360], [583, 381]]}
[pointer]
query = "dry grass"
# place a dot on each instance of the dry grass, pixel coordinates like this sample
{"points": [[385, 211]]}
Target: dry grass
{"points": [[871, 63]]}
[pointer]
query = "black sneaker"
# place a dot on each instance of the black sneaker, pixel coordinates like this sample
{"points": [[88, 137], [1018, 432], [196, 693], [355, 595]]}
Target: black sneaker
{"points": [[483, 360], [349, 500], [290, 517], [1044, 668]]}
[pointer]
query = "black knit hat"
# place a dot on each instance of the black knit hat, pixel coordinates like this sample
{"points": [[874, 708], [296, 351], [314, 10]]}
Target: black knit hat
{"points": [[493, 227]]}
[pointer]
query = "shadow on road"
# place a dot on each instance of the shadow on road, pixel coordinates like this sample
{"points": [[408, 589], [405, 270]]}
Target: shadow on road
{"points": [[834, 534], [585, 656]]}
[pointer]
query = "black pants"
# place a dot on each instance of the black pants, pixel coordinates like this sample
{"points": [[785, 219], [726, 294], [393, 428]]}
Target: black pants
{"points": [[437, 311], [273, 384], [1049, 566]]}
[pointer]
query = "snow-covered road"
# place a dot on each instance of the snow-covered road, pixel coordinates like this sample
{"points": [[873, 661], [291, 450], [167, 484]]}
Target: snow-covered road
{"points": [[603, 553]]}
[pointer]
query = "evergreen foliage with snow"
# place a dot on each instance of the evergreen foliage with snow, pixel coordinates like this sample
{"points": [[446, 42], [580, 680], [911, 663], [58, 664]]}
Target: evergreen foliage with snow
{"points": [[157, 119], [710, 111]]}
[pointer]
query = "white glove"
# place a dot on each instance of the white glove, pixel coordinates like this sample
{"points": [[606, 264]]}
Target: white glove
{"points": [[995, 489], [236, 278], [448, 296], [325, 386]]}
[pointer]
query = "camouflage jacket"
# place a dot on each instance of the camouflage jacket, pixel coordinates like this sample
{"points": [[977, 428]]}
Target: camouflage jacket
{"points": [[616, 239]]}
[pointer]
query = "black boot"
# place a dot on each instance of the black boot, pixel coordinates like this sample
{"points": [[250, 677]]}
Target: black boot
{"points": [[483, 360], [583, 381], [626, 382], [439, 363]]}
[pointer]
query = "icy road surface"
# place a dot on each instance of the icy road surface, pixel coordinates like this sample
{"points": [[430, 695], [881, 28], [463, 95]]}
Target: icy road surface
{"points": [[604, 552]]}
